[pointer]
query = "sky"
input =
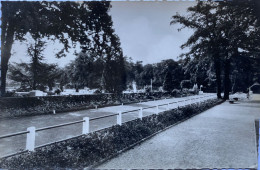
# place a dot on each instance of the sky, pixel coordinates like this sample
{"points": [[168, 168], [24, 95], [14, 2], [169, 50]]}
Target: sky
{"points": [[145, 31], [143, 28]]}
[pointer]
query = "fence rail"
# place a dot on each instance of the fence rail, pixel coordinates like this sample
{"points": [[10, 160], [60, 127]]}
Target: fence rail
{"points": [[14, 134], [60, 125], [100, 117], [31, 131]]}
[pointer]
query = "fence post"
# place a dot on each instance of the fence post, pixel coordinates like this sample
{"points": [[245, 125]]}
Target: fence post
{"points": [[85, 127], [30, 140], [157, 109], [140, 115], [119, 118]]}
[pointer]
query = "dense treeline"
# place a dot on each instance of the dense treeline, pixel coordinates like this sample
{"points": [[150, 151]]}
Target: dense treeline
{"points": [[166, 75], [143, 75]]}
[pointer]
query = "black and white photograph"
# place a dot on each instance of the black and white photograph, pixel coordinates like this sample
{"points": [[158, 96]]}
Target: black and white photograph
{"points": [[130, 84]]}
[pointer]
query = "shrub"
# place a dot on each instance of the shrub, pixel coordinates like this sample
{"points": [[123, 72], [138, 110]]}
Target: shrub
{"points": [[176, 93], [186, 84]]}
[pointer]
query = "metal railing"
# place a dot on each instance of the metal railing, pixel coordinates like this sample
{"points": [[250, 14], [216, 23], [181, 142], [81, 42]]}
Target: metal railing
{"points": [[31, 131]]}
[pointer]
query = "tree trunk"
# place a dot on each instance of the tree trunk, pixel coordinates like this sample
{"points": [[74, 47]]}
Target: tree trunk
{"points": [[7, 39], [35, 65], [218, 77], [50, 86], [4, 67], [34, 85], [226, 79]]}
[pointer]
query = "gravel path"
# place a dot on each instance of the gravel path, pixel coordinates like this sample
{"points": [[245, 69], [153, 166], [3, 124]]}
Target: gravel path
{"points": [[17, 143], [221, 137]]}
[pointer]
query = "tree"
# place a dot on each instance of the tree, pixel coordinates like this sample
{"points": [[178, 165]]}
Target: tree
{"points": [[102, 48], [34, 51], [221, 29], [49, 75], [24, 73], [20, 72], [84, 66], [238, 23], [137, 70], [56, 20], [206, 39], [36, 73], [114, 71], [201, 72], [147, 74], [168, 82], [129, 67]]}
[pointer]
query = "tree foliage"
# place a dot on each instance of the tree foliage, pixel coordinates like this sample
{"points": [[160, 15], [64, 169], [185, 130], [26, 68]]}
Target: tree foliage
{"points": [[23, 73], [157, 73], [101, 65]]}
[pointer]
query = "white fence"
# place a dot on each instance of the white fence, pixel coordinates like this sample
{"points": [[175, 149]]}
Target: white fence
{"points": [[31, 131]]}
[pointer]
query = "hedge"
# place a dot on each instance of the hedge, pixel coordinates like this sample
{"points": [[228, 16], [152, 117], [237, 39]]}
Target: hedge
{"points": [[93, 148], [27, 106]]}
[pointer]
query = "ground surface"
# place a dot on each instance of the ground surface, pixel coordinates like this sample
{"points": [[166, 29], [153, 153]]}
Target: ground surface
{"points": [[14, 144], [221, 137]]}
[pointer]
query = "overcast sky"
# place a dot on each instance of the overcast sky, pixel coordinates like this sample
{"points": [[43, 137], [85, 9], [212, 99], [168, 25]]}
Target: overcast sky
{"points": [[143, 28]]}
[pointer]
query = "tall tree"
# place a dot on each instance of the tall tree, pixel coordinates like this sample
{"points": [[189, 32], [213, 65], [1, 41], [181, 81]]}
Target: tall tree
{"points": [[35, 51], [84, 66], [221, 29], [238, 22], [106, 46], [205, 41]]}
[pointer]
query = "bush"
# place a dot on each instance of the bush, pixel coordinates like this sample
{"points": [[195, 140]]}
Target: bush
{"points": [[89, 149], [185, 91], [9, 94], [176, 93], [97, 91], [186, 84]]}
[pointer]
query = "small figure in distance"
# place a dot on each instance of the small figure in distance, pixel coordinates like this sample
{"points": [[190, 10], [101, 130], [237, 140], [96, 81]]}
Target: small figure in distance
{"points": [[247, 94]]}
